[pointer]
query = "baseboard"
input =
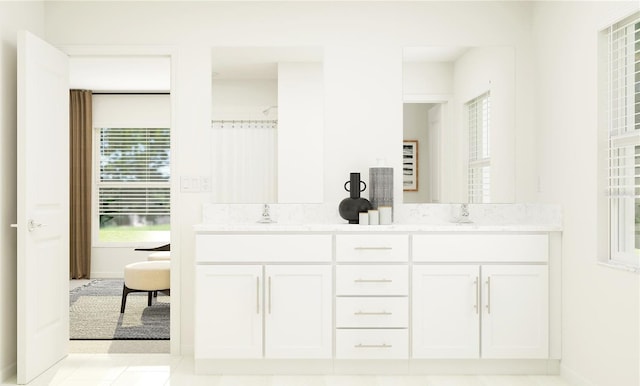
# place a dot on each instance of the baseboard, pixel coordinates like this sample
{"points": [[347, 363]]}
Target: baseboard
{"points": [[263, 366], [483, 367], [376, 367], [573, 378], [185, 350], [8, 372]]}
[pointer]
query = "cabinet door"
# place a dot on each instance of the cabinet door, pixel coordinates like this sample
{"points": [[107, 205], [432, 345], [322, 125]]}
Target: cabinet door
{"points": [[515, 319], [446, 301], [298, 311], [228, 315]]}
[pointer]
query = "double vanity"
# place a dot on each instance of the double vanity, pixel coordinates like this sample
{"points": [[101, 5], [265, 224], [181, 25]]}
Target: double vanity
{"points": [[403, 299]]}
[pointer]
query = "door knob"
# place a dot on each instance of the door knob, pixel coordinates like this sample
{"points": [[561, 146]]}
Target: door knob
{"points": [[32, 225]]}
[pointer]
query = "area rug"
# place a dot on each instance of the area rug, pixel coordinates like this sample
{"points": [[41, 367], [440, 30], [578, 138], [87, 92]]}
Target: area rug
{"points": [[94, 313]]}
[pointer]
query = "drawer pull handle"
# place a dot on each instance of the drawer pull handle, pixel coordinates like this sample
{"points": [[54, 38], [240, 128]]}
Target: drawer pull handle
{"points": [[384, 345], [488, 294], [373, 248], [257, 295], [269, 295], [477, 305], [373, 313], [373, 280]]}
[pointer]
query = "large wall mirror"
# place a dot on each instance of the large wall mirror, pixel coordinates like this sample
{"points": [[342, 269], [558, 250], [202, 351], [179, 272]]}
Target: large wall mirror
{"points": [[267, 124], [459, 124]]}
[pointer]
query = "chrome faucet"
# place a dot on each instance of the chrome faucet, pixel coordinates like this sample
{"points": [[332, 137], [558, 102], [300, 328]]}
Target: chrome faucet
{"points": [[266, 215], [464, 210], [463, 217]]}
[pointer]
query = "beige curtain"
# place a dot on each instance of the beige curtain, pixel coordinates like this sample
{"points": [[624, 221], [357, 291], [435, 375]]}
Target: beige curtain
{"points": [[80, 125]]}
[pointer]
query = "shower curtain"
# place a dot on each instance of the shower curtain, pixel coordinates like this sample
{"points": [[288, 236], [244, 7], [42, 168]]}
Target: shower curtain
{"points": [[244, 161]]}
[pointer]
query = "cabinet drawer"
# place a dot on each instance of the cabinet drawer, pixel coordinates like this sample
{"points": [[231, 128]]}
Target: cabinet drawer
{"points": [[481, 247], [263, 248], [372, 312], [372, 344], [372, 280], [372, 248]]}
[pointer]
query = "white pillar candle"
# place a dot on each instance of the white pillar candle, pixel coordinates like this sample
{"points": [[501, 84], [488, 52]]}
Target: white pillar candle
{"points": [[363, 218], [373, 217], [385, 215]]}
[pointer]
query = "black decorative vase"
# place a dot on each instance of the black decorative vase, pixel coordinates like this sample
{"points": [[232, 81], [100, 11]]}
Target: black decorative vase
{"points": [[351, 206]]}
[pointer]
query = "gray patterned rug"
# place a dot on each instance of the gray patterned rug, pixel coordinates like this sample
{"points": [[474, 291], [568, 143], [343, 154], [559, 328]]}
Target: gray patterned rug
{"points": [[94, 313]]}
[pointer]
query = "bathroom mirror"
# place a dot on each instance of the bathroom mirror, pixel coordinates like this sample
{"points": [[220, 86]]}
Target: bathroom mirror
{"points": [[267, 125], [459, 118]]}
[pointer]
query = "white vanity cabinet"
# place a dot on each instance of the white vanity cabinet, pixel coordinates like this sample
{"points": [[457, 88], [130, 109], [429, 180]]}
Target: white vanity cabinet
{"points": [[399, 299], [239, 306], [229, 311], [515, 312], [298, 311], [495, 310], [453, 303], [253, 311], [446, 306]]}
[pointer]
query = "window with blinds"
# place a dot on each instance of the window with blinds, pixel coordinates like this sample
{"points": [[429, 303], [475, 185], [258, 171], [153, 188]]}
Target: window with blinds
{"points": [[623, 128], [133, 184], [479, 171]]}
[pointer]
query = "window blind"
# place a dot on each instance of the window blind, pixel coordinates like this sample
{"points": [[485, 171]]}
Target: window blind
{"points": [[623, 110], [134, 177], [479, 173], [623, 127]]}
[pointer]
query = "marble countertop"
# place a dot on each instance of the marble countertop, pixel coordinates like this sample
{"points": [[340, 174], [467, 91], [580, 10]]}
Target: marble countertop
{"points": [[351, 228]]}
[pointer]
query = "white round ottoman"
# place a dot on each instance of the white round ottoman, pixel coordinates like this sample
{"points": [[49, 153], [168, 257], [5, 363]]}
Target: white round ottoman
{"points": [[159, 256], [145, 276]]}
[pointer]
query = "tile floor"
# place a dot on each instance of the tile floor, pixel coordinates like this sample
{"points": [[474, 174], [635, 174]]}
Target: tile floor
{"points": [[119, 346], [165, 370]]}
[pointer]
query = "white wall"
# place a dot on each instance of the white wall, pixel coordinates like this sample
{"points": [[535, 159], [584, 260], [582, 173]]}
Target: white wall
{"points": [[427, 78], [300, 132], [135, 111], [14, 16], [362, 68], [601, 306], [237, 99]]}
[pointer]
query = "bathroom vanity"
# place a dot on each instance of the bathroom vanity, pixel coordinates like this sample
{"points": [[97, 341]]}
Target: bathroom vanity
{"points": [[404, 299]]}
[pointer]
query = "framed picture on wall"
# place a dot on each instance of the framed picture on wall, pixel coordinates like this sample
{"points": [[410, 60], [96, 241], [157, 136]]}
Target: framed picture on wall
{"points": [[410, 165]]}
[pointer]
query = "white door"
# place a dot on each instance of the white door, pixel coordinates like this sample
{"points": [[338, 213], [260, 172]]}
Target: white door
{"points": [[43, 206], [228, 302], [298, 311], [446, 320], [515, 319]]}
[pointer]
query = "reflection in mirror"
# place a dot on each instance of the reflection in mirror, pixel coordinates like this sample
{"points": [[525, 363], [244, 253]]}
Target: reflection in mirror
{"points": [[267, 105], [459, 105]]}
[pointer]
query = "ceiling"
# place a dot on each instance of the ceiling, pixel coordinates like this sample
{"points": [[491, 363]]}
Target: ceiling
{"points": [[121, 73]]}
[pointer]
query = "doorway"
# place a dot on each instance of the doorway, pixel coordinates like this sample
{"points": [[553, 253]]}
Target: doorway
{"points": [[130, 194], [423, 123]]}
